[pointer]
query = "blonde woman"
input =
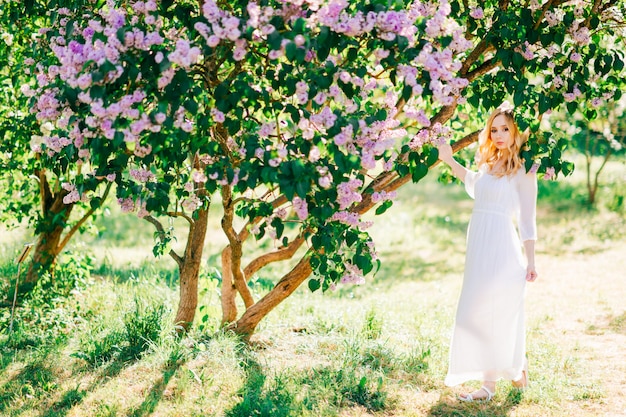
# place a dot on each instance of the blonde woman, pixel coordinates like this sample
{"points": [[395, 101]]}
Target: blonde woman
{"points": [[489, 342]]}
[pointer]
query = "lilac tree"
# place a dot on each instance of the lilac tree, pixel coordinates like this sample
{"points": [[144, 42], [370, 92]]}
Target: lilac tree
{"points": [[301, 115]]}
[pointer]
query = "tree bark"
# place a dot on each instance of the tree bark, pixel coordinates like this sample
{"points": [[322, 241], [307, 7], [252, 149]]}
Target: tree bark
{"points": [[190, 271], [229, 292], [48, 246]]}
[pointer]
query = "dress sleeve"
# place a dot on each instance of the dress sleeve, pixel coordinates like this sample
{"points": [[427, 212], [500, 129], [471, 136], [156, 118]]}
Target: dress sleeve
{"points": [[527, 189], [470, 181]]}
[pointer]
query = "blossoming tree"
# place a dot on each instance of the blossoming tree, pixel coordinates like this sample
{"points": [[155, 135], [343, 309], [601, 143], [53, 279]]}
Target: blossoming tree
{"points": [[29, 191], [301, 115]]}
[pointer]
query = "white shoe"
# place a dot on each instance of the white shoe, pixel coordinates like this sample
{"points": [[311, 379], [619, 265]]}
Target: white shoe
{"points": [[468, 398]]}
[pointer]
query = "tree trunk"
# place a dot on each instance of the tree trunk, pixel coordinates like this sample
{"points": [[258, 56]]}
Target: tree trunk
{"points": [[48, 244], [190, 270], [229, 292]]}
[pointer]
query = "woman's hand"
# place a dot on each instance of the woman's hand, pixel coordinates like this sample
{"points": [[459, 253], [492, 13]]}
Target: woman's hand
{"points": [[445, 152], [531, 273]]}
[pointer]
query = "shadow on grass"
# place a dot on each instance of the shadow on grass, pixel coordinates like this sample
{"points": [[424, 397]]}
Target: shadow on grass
{"points": [[316, 391], [68, 400], [35, 380], [155, 394], [493, 408], [274, 401]]}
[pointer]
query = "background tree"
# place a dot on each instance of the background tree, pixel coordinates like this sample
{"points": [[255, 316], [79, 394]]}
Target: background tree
{"points": [[601, 138], [30, 191], [301, 115]]}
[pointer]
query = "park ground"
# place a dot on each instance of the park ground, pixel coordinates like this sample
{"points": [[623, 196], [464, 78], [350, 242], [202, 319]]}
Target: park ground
{"points": [[374, 350]]}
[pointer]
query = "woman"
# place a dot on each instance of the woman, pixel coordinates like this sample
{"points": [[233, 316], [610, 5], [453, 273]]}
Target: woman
{"points": [[488, 343]]}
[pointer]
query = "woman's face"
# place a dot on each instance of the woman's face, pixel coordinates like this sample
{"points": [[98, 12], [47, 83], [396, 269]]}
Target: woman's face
{"points": [[501, 135]]}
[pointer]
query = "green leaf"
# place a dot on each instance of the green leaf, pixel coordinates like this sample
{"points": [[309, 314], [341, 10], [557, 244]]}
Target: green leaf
{"points": [[290, 51], [544, 104], [571, 107], [419, 172], [314, 284], [351, 237], [567, 168], [274, 40], [383, 207], [302, 188]]}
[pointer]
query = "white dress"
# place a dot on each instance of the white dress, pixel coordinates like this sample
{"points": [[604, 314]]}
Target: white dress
{"points": [[489, 341]]}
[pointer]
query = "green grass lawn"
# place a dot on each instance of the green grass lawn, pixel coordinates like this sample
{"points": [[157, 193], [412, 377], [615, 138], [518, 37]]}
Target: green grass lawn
{"points": [[101, 344]]}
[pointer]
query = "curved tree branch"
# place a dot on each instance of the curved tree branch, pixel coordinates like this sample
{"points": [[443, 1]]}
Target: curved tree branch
{"points": [[161, 232], [392, 181], [281, 254], [235, 244], [87, 215]]}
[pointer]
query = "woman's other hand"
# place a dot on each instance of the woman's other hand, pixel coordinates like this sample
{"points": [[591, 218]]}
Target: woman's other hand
{"points": [[531, 273]]}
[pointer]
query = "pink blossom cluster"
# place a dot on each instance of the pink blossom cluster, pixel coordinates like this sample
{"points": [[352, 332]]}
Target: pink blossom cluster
{"points": [[377, 197], [351, 219], [128, 205], [72, 196], [554, 17], [550, 173], [376, 139], [83, 56], [184, 55], [417, 114], [349, 193], [191, 203], [352, 275], [442, 66], [437, 134], [223, 26], [476, 12], [580, 34], [324, 119], [300, 207], [142, 175], [54, 144], [302, 92], [572, 96], [526, 50], [388, 24]]}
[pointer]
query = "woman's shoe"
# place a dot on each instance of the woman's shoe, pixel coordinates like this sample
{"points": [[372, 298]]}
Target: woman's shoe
{"points": [[523, 382], [468, 398]]}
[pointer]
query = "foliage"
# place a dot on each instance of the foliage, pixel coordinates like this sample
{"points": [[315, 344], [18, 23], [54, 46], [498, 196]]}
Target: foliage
{"points": [[47, 313]]}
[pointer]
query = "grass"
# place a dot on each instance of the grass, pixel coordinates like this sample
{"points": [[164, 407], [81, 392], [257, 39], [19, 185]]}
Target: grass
{"points": [[102, 344]]}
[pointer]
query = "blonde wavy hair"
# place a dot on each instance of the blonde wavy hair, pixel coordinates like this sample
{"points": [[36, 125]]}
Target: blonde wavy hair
{"points": [[488, 155]]}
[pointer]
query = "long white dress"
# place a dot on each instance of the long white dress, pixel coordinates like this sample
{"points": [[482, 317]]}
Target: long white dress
{"points": [[489, 340]]}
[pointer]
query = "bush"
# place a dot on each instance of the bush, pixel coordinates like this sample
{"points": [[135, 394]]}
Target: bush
{"points": [[141, 328]]}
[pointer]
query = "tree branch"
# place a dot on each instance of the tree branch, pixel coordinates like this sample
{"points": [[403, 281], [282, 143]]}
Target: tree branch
{"points": [[235, 244], [44, 191], [482, 69], [481, 48], [180, 214], [392, 181], [87, 215], [281, 254], [161, 231]]}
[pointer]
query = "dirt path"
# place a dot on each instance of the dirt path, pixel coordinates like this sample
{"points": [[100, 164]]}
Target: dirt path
{"points": [[580, 302]]}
